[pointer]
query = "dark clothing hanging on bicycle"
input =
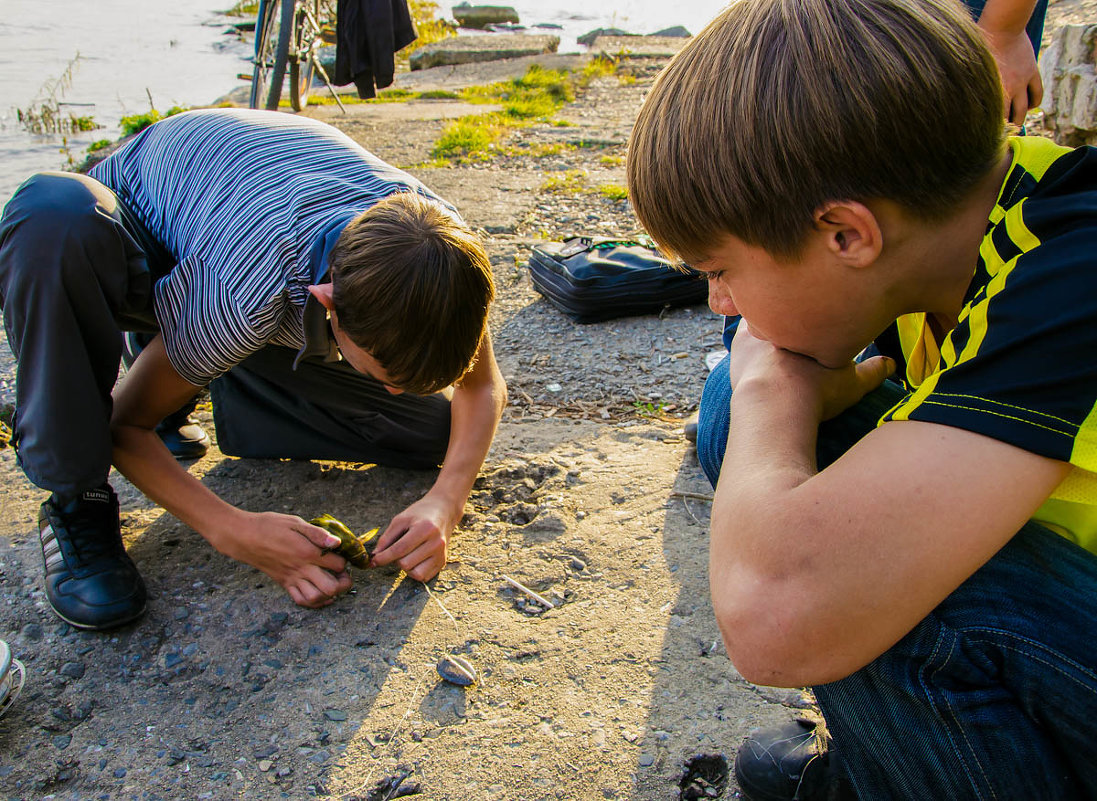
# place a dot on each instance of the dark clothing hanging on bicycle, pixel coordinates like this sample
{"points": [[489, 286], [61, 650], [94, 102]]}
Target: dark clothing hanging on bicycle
{"points": [[369, 34]]}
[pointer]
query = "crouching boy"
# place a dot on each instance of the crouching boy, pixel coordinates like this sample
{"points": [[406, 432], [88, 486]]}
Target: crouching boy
{"points": [[919, 549], [308, 283]]}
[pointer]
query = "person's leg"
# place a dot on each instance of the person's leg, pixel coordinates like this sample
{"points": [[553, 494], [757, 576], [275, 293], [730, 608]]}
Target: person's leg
{"points": [[68, 272], [994, 695], [263, 408]]}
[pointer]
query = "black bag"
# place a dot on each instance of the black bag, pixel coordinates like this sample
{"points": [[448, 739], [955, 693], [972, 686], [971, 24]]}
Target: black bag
{"points": [[592, 279]]}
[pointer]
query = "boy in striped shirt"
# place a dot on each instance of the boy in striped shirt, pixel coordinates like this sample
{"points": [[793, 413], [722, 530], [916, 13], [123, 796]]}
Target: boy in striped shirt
{"points": [[335, 307], [839, 170]]}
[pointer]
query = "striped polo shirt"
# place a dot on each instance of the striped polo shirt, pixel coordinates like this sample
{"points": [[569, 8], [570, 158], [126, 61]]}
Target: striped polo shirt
{"points": [[1021, 365], [248, 203]]}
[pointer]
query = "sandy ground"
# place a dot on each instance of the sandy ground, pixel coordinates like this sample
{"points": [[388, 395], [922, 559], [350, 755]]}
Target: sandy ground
{"points": [[591, 496]]}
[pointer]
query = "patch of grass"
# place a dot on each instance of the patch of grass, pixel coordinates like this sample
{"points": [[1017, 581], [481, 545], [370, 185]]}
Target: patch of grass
{"points": [[135, 123], [598, 67], [540, 149], [612, 161], [649, 408], [428, 27], [613, 191], [99, 144], [573, 181], [468, 137]]}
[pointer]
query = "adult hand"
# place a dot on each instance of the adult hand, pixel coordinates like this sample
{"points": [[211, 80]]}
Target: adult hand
{"points": [[1021, 84], [833, 389], [417, 538], [292, 552]]}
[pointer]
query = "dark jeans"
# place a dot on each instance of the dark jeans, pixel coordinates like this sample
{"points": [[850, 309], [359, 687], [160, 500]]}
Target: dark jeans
{"points": [[77, 269], [994, 694]]}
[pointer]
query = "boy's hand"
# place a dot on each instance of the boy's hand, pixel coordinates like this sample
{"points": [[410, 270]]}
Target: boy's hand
{"points": [[834, 389], [1021, 83], [417, 539], [292, 552]]}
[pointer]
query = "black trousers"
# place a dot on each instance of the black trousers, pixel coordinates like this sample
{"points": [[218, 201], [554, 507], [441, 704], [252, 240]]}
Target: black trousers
{"points": [[77, 269]]}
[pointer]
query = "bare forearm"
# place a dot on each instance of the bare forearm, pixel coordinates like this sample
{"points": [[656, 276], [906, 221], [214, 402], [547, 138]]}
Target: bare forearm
{"points": [[475, 416], [1006, 16], [142, 458]]}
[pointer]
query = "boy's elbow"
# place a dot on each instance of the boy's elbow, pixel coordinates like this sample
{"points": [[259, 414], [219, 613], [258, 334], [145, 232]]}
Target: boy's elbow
{"points": [[772, 637]]}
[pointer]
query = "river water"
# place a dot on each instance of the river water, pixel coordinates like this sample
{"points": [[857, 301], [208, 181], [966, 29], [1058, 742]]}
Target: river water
{"points": [[119, 54]]}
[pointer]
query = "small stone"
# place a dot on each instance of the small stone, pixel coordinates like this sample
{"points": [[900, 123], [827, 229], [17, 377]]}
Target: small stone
{"points": [[61, 741], [32, 631], [554, 387], [646, 760], [119, 773], [457, 670], [265, 765], [335, 714], [74, 670], [578, 564]]}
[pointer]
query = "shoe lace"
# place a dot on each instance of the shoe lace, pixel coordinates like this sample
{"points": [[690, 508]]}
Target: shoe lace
{"points": [[88, 532]]}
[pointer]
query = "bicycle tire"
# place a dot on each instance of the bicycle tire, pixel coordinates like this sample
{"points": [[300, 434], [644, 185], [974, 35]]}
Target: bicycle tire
{"points": [[302, 67], [272, 39]]}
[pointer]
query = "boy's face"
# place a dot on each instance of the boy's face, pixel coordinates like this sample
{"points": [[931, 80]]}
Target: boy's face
{"points": [[815, 305]]}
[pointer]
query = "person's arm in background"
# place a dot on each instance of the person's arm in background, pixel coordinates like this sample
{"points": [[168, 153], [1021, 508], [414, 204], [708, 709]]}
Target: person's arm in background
{"points": [[417, 538], [1003, 24]]}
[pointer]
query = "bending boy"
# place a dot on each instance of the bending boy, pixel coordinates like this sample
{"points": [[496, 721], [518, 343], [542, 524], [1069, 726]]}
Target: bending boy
{"points": [[839, 170], [308, 283]]}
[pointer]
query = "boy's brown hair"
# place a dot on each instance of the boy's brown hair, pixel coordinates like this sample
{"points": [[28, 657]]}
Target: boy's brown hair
{"points": [[779, 106], [412, 286]]}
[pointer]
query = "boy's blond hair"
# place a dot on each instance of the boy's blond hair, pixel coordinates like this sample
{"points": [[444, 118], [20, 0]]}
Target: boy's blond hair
{"points": [[412, 286], [779, 106]]}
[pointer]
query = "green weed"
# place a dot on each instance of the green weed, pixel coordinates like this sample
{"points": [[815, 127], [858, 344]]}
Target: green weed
{"points": [[613, 191], [612, 161], [135, 123], [99, 144], [570, 181]]}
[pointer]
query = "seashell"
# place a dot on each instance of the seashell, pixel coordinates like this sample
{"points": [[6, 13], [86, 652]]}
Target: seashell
{"points": [[457, 670], [356, 550]]}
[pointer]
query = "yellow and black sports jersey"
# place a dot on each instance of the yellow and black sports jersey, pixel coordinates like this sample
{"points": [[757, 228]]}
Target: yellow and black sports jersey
{"points": [[1021, 365]]}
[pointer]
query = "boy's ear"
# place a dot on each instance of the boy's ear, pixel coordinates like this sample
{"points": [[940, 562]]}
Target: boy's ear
{"points": [[852, 232], [323, 293]]}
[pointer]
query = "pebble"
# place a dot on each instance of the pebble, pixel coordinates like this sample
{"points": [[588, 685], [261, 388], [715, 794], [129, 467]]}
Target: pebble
{"points": [[335, 714], [457, 670], [32, 631], [578, 563], [646, 760], [74, 670], [61, 741], [265, 765]]}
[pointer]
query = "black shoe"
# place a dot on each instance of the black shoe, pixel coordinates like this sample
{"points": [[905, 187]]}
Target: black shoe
{"points": [[91, 582], [182, 434], [793, 762]]}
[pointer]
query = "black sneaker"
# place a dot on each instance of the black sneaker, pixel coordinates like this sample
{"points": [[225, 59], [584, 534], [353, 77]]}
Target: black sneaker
{"points": [[793, 762], [182, 434], [91, 582]]}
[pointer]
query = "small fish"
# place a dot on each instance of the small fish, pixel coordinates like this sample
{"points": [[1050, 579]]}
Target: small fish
{"points": [[457, 670], [356, 550]]}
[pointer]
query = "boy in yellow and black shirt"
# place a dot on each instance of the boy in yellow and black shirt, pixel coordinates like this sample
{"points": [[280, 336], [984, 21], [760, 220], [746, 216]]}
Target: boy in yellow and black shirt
{"points": [[920, 549]]}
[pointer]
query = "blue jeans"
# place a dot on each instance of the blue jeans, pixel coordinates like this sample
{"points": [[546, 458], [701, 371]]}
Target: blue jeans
{"points": [[994, 694]]}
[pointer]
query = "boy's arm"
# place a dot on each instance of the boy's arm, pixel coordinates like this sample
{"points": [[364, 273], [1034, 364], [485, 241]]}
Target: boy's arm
{"points": [[814, 575], [417, 538], [1003, 23], [285, 547]]}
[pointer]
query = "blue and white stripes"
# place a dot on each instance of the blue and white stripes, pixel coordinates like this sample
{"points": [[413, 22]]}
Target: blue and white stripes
{"points": [[239, 197]]}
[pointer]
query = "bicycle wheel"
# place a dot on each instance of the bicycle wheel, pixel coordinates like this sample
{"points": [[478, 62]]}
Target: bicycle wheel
{"points": [[302, 63], [272, 38]]}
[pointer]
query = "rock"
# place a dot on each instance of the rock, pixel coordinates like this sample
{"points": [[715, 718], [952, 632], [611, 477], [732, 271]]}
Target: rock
{"points": [[1070, 85], [73, 670], [469, 16], [32, 631], [646, 760], [677, 31], [638, 46], [471, 49], [589, 37]]}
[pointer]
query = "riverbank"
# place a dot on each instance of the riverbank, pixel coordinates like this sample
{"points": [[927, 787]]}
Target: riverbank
{"points": [[591, 496]]}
